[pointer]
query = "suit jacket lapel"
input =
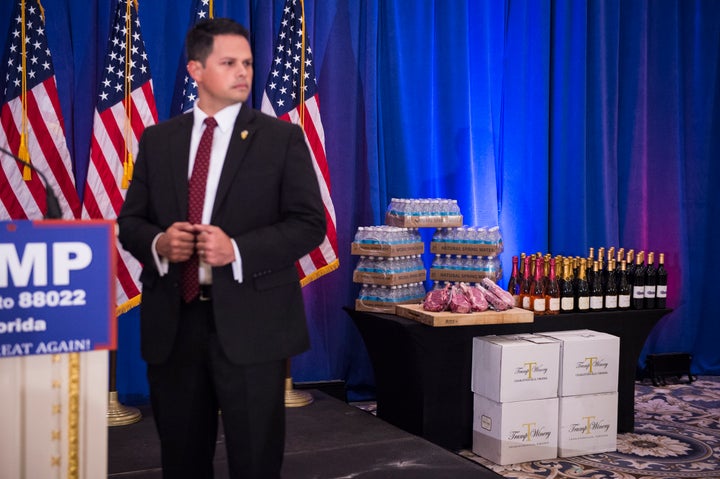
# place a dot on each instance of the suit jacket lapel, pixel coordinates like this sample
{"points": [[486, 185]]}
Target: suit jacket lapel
{"points": [[179, 156], [242, 137]]}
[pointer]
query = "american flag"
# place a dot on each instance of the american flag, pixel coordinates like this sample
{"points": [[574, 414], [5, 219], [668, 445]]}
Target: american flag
{"points": [[125, 106], [41, 125], [185, 92], [291, 95]]}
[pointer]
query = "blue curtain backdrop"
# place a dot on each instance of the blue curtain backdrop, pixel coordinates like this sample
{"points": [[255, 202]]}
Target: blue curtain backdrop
{"points": [[570, 124]]}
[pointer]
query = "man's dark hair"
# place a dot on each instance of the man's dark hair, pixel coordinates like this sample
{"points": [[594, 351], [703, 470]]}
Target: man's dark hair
{"points": [[199, 39]]}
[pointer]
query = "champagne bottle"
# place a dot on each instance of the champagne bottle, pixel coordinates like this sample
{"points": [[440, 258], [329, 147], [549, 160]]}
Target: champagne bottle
{"points": [[514, 282], [611, 292], [537, 294], [525, 285], [567, 291], [552, 292], [582, 289], [624, 288], [650, 282], [606, 265], [661, 290], [596, 291], [589, 269], [576, 269], [638, 296]]}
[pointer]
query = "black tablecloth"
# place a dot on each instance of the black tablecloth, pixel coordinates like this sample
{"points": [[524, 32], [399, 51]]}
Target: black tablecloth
{"points": [[423, 373]]}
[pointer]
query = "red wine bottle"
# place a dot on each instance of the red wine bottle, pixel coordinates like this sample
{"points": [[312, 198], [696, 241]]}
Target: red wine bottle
{"points": [[661, 290], [650, 282], [638, 296], [624, 288], [611, 293]]}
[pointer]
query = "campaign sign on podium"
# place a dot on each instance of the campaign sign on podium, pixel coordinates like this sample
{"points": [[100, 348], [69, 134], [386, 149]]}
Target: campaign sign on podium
{"points": [[57, 323], [56, 287]]}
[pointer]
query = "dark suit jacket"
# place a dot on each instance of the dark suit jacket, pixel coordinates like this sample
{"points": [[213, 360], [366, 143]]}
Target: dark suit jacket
{"points": [[268, 200]]}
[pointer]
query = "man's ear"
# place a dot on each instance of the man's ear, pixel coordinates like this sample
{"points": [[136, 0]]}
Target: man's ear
{"points": [[195, 70]]}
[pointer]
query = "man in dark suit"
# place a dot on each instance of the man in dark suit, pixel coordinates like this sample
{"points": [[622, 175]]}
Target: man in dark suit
{"points": [[236, 226]]}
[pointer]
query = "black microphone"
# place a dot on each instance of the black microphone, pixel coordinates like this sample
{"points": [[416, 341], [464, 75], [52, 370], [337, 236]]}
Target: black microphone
{"points": [[53, 207]]}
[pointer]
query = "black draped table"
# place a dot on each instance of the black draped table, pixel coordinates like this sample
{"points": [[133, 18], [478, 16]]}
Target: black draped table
{"points": [[423, 373]]}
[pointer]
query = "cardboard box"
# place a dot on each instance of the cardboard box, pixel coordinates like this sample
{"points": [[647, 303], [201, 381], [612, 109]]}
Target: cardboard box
{"points": [[464, 249], [385, 249], [457, 276], [515, 367], [508, 433], [587, 424], [423, 221], [589, 362], [389, 279], [417, 313]]}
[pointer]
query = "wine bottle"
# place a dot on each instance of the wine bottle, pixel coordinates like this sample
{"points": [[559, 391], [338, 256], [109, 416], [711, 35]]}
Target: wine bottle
{"points": [[514, 282], [596, 291], [582, 290], [650, 282], [624, 289], [611, 292], [546, 271], [567, 291], [576, 269], [638, 295], [525, 285], [606, 266], [661, 290], [537, 294], [589, 269], [631, 266], [618, 261], [552, 292]]}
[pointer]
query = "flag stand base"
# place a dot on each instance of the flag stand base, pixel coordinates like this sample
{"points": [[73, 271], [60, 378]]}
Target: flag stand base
{"points": [[295, 398], [119, 415]]}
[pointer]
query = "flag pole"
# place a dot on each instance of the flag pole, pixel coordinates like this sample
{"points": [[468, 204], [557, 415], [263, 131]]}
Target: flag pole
{"points": [[293, 397], [119, 414]]}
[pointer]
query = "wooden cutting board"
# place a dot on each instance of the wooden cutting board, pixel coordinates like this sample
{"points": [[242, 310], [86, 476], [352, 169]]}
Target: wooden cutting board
{"points": [[447, 318]]}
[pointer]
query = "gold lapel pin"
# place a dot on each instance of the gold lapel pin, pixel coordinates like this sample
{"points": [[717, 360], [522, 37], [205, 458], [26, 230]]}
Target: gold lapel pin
{"points": [[244, 134]]}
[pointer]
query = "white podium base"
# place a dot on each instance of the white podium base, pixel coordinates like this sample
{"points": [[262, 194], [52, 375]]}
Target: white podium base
{"points": [[53, 412]]}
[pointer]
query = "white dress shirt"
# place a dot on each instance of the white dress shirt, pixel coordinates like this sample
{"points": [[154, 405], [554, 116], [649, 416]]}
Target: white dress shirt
{"points": [[221, 139]]}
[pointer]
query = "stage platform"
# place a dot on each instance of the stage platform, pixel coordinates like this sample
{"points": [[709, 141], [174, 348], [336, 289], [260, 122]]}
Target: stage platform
{"points": [[326, 439]]}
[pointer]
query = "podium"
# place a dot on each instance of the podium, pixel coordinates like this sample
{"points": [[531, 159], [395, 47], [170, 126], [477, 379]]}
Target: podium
{"points": [[57, 325]]}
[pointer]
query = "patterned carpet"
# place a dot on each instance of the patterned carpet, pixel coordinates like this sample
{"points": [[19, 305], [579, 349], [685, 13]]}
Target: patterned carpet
{"points": [[677, 435]]}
